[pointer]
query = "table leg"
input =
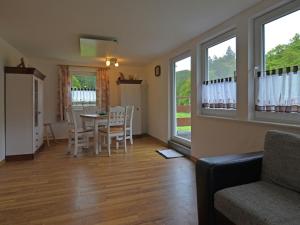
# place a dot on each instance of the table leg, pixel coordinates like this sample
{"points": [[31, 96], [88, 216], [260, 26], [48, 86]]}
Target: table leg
{"points": [[96, 137]]}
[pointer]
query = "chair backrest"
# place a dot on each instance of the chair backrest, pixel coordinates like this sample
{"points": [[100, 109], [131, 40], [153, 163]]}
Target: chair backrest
{"points": [[281, 162], [71, 118], [117, 116], [130, 111]]}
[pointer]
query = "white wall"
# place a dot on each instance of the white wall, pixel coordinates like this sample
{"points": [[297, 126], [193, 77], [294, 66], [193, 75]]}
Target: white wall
{"points": [[214, 136], [49, 68], [9, 56]]}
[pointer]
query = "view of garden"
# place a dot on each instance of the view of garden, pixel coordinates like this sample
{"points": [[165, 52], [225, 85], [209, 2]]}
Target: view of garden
{"points": [[279, 55]]}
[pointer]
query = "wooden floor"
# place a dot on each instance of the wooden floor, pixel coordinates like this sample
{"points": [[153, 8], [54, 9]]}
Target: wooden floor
{"points": [[139, 187]]}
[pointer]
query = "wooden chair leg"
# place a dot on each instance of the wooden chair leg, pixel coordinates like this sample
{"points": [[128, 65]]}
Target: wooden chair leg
{"points": [[117, 144], [52, 133], [87, 141], [99, 143], [131, 139], [76, 146], [108, 144], [47, 136], [125, 145], [69, 145]]}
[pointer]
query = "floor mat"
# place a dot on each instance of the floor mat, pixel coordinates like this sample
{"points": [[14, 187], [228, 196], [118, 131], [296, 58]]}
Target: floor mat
{"points": [[169, 153]]}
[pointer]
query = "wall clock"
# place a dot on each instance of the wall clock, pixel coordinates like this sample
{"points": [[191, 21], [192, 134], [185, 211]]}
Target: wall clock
{"points": [[157, 70]]}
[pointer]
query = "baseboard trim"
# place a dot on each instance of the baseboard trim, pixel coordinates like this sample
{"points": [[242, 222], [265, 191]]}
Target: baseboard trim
{"points": [[139, 135], [10, 158], [164, 144], [192, 158], [183, 149]]}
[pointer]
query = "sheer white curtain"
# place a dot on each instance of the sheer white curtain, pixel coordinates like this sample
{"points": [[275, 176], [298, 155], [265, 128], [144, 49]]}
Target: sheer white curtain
{"points": [[278, 91], [219, 94]]}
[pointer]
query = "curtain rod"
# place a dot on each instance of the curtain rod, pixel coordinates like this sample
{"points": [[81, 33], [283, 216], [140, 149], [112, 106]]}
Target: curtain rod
{"points": [[98, 67]]}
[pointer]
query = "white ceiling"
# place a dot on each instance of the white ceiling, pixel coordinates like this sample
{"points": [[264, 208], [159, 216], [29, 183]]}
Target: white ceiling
{"points": [[144, 28]]}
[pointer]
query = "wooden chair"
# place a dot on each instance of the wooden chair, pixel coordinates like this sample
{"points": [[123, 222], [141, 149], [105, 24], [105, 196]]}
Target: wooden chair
{"points": [[77, 136], [130, 111], [129, 119], [115, 127], [48, 131]]}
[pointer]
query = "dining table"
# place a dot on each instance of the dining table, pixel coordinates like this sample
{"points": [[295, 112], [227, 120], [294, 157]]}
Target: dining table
{"points": [[96, 120]]}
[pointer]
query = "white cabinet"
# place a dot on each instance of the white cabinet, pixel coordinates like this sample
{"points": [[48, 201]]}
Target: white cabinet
{"points": [[23, 112], [130, 94]]}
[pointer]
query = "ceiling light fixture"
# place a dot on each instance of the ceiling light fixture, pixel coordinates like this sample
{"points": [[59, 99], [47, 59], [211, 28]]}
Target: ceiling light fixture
{"points": [[110, 61]]}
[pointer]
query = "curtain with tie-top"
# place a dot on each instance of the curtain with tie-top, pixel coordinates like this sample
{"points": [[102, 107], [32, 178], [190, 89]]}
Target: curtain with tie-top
{"points": [[64, 91], [219, 94], [278, 90], [102, 89]]}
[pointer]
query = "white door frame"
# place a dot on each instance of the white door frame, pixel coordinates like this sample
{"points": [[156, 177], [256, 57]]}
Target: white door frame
{"points": [[173, 120]]}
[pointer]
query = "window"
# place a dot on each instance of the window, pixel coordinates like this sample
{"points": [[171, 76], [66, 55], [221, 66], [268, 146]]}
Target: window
{"points": [[83, 89], [277, 60], [181, 99], [218, 69]]}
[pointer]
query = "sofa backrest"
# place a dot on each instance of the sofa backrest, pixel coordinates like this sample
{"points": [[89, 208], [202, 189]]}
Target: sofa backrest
{"points": [[281, 161]]}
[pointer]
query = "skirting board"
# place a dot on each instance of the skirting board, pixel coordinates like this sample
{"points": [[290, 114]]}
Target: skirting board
{"points": [[182, 149], [10, 158], [158, 140]]}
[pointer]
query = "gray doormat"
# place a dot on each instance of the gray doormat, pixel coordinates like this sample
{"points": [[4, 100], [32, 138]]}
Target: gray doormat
{"points": [[169, 153]]}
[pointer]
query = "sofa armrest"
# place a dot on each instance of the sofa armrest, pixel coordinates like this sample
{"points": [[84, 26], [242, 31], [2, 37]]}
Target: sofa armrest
{"points": [[216, 173]]}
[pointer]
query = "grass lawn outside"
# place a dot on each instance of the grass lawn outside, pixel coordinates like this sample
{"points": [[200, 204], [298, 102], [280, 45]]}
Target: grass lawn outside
{"points": [[183, 115], [184, 128]]}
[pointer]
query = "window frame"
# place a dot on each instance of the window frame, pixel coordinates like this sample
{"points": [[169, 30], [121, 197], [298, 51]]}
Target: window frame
{"points": [[225, 36], [74, 72], [259, 62], [173, 61]]}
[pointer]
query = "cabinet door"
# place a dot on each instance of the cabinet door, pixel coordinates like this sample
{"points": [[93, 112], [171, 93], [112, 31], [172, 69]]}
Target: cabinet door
{"points": [[19, 114], [38, 112], [131, 95]]}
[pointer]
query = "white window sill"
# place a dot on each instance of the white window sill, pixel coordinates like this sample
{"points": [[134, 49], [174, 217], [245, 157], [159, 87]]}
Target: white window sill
{"points": [[278, 118], [226, 113], [254, 121]]}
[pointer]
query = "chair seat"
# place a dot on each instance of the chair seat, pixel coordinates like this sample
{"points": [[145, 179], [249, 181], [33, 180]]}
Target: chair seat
{"points": [[113, 130], [81, 130], [260, 203]]}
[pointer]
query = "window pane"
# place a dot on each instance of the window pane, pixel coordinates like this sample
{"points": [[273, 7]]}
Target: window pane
{"points": [[282, 42], [84, 81], [222, 60], [83, 89], [183, 98]]}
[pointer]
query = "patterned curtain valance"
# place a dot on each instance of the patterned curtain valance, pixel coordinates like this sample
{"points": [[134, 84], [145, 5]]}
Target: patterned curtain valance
{"points": [[64, 91], [102, 89]]}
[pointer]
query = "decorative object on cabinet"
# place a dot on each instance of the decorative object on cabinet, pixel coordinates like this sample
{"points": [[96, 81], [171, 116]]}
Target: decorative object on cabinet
{"points": [[131, 79], [22, 64], [23, 112], [157, 70]]}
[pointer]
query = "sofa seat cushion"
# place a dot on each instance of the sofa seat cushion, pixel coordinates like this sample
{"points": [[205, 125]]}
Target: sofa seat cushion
{"points": [[259, 203]]}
